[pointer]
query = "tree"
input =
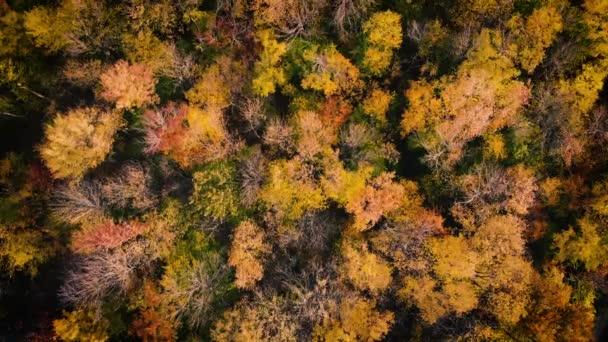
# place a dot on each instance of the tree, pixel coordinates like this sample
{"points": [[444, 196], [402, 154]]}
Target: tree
{"points": [[188, 134], [216, 84], [247, 251], [269, 73], [377, 104], [128, 85], [147, 49], [292, 18], [380, 197], [383, 35], [291, 190], [455, 296], [78, 141], [92, 278], [348, 13], [358, 321], [151, 325], [131, 187], [364, 269], [106, 235], [585, 246], [195, 280], [329, 71], [81, 325], [264, 319], [482, 97], [534, 35], [46, 28], [312, 136], [216, 191], [27, 238]]}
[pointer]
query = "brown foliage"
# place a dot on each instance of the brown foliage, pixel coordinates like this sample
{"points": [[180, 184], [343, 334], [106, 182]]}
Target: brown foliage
{"points": [[128, 85], [131, 187], [247, 252]]}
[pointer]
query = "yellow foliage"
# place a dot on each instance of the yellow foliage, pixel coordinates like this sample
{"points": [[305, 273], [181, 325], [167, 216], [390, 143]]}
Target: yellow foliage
{"points": [[215, 191], [458, 297], [331, 72], [582, 92], [359, 321], [81, 325], [383, 34], [291, 190], [600, 198], [145, 48], [551, 189], [268, 72], [585, 247], [380, 197], [213, 89], [454, 258], [377, 103], [264, 320], [246, 253], [534, 35], [495, 146], [365, 269], [341, 185], [78, 141], [424, 107], [595, 17], [47, 28], [482, 97]]}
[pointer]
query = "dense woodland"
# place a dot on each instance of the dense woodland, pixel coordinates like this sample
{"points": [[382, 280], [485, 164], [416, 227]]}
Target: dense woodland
{"points": [[297, 170]]}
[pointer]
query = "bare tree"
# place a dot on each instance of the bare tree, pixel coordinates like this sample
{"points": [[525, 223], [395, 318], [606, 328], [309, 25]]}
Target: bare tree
{"points": [[251, 177], [93, 277], [349, 13], [131, 187], [77, 203]]}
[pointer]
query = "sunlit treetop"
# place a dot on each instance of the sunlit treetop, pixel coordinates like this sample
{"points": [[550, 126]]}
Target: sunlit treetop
{"points": [[79, 140]]}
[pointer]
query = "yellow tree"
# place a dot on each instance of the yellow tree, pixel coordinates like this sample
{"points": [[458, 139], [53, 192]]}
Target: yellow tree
{"points": [[358, 320], [247, 251], [78, 141], [533, 35], [291, 190], [364, 269], [376, 104], [585, 247], [383, 35], [330, 72], [482, 97], [268, 71]]}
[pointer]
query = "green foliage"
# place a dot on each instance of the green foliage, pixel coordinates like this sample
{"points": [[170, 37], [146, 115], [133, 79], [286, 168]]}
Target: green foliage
{"points": [[216, 192]]}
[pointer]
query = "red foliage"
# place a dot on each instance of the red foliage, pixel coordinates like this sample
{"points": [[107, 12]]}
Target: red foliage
{"points": [[106, 235], [39, 176], [164, 127]]}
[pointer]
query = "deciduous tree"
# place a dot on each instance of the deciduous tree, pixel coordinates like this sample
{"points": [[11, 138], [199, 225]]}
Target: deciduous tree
{"points": [[78, 141]]}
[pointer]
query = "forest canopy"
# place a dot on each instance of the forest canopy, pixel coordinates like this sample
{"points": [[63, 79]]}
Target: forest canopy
{"points": [[304, 170]]}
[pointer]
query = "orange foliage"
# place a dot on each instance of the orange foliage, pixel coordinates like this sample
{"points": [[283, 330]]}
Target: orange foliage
{"points": [[152, 324], [187, 134], [335, 111], [128, 85]]}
